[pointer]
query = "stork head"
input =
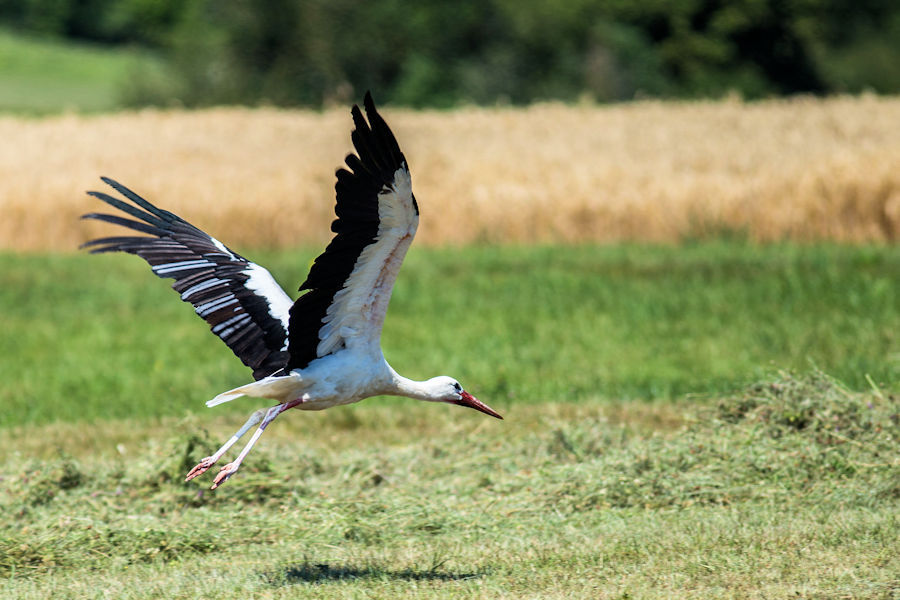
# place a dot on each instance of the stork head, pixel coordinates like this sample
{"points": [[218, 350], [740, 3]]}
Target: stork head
{"points": [[446, 389]]}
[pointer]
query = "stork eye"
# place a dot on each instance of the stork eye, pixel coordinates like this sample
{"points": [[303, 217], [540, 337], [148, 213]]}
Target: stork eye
{"points": [[457, 387]]}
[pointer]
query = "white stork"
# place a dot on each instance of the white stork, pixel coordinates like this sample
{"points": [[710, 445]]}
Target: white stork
{"points": [[323, 349]]}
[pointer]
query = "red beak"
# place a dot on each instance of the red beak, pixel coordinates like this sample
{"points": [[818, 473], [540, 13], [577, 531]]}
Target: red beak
{"points": [[471, 401]]}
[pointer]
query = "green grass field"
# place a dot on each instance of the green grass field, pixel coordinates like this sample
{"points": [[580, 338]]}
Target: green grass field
{"points": [[39, 76], [653, 446], [87, 337]]}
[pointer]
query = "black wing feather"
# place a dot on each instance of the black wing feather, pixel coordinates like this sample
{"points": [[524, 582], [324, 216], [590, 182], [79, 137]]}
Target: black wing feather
{"points": [[377, 159], [212, 278]]}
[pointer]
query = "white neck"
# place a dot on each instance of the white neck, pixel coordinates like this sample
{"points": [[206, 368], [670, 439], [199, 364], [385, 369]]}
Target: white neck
{"points": [[420, 390]]}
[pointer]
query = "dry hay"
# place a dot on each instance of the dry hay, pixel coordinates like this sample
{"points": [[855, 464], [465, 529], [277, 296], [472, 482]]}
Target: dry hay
{"points": [[803, 169]]}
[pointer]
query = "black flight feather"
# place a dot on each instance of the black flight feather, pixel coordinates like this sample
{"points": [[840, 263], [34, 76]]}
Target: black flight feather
{"points": [[377, 159], [212, 278]]}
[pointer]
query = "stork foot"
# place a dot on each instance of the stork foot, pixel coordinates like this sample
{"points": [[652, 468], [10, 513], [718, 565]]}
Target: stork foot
{"points": [[224, 473], [201, 468]]}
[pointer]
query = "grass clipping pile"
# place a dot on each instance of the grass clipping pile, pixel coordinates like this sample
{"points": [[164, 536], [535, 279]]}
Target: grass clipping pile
{"points": [[791, 439], [800, 443]]}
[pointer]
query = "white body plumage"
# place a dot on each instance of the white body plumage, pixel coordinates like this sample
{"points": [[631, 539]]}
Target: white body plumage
{"points": [[324, 349]]}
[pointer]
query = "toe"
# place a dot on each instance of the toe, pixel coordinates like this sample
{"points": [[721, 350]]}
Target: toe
{"points": [[225, 472], [200, 469]]}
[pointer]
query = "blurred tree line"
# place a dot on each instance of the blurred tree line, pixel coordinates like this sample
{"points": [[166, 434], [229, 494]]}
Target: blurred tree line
{"points": [[439, 53]]}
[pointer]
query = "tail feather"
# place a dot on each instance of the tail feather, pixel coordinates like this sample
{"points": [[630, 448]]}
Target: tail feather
{"points": [[281, 388]]}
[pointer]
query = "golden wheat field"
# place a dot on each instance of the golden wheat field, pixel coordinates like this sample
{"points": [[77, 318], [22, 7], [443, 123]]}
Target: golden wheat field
{"points": [[652, 171]]}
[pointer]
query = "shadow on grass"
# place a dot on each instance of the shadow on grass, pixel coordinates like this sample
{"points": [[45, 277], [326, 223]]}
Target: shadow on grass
{"points": [[323, 572]]}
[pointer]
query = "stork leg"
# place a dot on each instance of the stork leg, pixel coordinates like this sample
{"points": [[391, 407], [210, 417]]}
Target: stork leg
{"points": [[209, 461], [232, 467]]}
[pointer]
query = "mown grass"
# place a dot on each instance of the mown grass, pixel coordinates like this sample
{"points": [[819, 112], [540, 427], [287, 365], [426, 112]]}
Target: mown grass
{"points": [[87, 337], [39, 76], [788, 489]]}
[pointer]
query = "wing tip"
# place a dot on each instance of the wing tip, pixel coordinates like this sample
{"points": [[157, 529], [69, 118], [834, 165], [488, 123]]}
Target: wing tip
{"points": [[118, 187], [369, 105]]}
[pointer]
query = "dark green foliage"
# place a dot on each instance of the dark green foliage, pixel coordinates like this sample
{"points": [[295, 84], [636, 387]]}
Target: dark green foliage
{"points": [[316, 52], [133, 21], [439, 54]]}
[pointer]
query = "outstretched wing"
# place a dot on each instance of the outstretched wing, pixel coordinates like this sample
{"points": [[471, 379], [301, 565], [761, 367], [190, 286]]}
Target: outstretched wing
{"points": [[349, 285], [239, 299]]}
